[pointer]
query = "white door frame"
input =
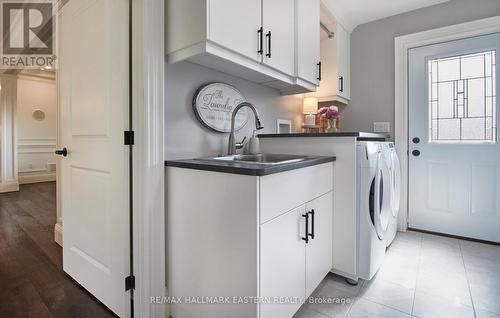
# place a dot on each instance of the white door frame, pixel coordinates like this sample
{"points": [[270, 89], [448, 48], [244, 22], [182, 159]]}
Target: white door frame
{"points": [[148, 65], [401, 46]]}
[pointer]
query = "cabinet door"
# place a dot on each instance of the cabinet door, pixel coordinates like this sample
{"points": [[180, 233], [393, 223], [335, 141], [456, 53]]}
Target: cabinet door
{"points": [[308, 40], [235, 24], [319, 250], [282, 262], [343, 61], [278, 20]]}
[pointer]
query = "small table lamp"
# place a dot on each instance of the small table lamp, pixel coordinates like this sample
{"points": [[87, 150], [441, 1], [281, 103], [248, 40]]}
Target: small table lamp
{"points": [[310, 109]]}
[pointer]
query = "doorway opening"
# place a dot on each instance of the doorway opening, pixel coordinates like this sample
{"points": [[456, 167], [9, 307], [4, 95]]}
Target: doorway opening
{"points": [[31, 266]]}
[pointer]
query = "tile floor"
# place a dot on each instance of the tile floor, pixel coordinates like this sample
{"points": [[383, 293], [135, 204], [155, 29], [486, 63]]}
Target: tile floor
{"points": [[423, 276]]}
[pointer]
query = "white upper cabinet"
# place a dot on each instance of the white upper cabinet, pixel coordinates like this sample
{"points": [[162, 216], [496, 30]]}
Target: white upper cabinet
{"points": [[251, 39], [343, 44], [278, 21], [308, 41], [235, 25], [335, 62]]}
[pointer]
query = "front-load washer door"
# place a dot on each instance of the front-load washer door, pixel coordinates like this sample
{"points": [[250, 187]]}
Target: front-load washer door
{"points": [[380, 198]]}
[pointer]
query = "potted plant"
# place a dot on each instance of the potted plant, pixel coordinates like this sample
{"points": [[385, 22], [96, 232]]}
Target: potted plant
{"points": [[330, 114]]}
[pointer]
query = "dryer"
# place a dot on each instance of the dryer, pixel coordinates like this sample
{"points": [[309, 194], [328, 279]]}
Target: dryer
{"points": [[395, 170], [374, 206]]}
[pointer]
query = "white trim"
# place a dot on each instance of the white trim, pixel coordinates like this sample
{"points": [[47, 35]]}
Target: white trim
{"points": [[58, 234], [25, 146], [8, 134], [401, 46], [36, 178], [9, 186], [148, 156], [37, 78]]}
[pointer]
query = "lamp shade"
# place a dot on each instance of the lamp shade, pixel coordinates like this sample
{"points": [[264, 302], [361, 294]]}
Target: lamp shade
{"points": [[310, 105]]}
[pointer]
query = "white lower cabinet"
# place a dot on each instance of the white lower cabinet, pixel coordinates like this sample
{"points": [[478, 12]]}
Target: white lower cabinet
{"points": [[319, 249], [296, 254], [283, 262], [231, 235]]}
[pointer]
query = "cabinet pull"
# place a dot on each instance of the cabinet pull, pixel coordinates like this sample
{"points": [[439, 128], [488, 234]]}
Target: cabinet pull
{"points": [[268, 36], [341, 79], [319, 71], [312, 223], [260, 41], [307, 228]]}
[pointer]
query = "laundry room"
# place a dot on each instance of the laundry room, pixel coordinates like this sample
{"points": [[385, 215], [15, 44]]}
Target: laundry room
{"points": [[250, 158]]}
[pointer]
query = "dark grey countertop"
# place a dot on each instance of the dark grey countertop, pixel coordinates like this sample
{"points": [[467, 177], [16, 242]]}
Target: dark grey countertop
{"points": [[247, 168], [358, 134]]}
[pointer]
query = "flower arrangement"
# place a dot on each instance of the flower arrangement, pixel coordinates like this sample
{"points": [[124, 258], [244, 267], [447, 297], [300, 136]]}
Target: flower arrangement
{"points": [[328, 112], [330, 115]]}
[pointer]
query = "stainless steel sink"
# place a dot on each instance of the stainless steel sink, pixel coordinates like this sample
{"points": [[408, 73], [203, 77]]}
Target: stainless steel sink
{"points": [[262, 159]]}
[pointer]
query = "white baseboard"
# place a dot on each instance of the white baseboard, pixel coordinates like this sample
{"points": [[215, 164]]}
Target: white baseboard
{"points": [[35, 178], [58, 234], [10, 186]]}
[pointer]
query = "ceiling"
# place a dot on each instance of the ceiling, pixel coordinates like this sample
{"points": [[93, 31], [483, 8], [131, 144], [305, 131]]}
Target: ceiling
{"points": [[352, 13]]}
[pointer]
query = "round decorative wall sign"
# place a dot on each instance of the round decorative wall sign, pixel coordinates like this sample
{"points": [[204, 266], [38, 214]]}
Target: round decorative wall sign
{"points": [[213, 106], [38, 115]]}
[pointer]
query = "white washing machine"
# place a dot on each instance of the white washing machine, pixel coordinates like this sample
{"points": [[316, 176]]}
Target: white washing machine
{"points": [[395, 170], [374, 205]]}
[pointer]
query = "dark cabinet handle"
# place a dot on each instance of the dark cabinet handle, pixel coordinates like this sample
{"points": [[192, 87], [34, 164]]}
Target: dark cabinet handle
{"points": [[416, 140], [319, 71], [307, 228], [416, 153], [341, 79], [312, 223], [63, 152], [268, 36], [260, 39]]}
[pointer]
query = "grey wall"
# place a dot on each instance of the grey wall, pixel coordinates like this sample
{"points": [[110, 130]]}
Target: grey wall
{"points": [[185, 137], [372, 56]]}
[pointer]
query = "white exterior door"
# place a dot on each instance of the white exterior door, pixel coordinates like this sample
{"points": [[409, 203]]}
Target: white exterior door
{"points": [[235, 24], [454, 155], [94, 174]]}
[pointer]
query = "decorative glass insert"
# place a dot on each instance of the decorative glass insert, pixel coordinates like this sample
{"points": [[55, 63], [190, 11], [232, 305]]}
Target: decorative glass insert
{"points": [[462, 98]]}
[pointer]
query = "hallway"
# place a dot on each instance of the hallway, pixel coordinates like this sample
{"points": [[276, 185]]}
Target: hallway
{"points": [[33, 282]]}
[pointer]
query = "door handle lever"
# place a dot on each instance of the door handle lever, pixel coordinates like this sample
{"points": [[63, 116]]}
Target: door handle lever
{"points": [[63, 152]]}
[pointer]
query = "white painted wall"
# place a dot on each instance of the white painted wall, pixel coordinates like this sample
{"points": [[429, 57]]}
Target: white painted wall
{"points": [[36, 139]]}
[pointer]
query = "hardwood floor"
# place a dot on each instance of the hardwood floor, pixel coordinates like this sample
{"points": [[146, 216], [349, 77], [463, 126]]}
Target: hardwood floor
{"points": [[32, 281]]}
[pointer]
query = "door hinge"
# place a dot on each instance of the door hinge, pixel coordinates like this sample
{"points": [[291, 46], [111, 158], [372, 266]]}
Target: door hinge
{"points": [[129, 282], [128, 137]]}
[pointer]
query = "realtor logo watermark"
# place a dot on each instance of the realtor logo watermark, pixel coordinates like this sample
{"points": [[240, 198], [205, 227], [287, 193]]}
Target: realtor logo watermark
{"points": [[28, 34]]}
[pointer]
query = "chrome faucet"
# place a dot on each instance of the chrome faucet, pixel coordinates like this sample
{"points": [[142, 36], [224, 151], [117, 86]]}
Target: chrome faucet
{"points": [[232, 145]]}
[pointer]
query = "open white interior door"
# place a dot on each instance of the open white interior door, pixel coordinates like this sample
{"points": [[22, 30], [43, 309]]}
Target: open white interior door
{"points": [[94, 76]]}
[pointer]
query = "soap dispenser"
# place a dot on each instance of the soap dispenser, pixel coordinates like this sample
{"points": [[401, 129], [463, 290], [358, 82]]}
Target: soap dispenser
{"points": [[254, 144]]}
